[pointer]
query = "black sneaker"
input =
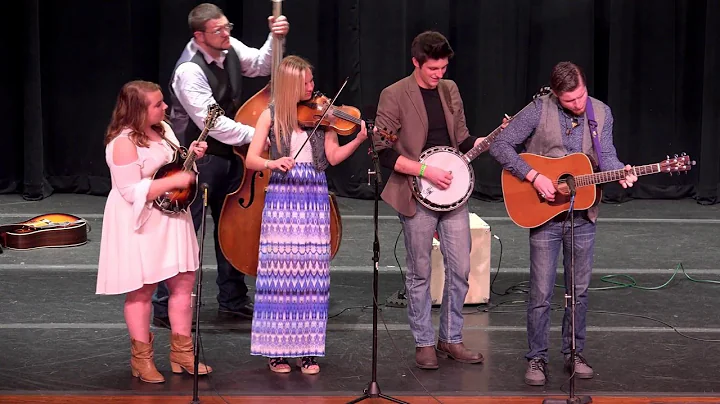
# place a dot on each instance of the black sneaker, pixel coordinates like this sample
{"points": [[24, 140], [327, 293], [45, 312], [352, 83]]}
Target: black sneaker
{"points": [[244, 312], [536, 372]]}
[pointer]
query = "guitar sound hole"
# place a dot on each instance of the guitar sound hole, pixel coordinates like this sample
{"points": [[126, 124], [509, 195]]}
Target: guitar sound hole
{"points": [[562, 186]]}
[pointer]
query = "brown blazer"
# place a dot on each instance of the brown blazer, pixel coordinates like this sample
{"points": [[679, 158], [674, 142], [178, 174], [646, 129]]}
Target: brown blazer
{"points": [[401, 111]]}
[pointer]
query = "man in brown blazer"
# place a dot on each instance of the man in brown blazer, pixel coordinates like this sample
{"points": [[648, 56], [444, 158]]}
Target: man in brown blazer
{"points": [[424, 111]]}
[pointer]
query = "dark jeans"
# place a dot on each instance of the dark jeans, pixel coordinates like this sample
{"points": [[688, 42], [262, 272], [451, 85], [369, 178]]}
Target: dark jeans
{"points": [[545, 244], [222, 175]]}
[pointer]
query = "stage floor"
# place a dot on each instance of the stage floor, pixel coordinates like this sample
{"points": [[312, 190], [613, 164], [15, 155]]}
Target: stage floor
{"points": [[58, 338]]}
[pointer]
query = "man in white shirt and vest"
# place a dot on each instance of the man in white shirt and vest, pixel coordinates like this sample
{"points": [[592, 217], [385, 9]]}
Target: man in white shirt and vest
{"points": [[210, 71]]}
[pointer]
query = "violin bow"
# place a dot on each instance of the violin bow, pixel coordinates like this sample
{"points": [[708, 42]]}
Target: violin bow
{"points": [[322, 117]]}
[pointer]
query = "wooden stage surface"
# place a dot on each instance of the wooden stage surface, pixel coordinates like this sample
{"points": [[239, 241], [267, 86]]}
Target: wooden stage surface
{"points": [[132, 399]]}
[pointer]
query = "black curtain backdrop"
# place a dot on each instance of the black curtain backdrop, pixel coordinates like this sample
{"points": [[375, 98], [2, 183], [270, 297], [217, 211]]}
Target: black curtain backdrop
{"points": [[655, 62]]}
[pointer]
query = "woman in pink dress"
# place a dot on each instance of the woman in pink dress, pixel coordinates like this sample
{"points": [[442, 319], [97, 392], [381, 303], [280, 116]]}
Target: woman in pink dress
{"points": [[141, 245]]}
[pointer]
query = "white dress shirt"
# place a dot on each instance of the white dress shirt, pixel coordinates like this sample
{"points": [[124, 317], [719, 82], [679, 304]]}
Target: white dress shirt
{"points": [[194, 93]]}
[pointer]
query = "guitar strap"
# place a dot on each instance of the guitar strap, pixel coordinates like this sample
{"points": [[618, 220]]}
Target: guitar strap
{"points": [[592, 123], [179, 150]]}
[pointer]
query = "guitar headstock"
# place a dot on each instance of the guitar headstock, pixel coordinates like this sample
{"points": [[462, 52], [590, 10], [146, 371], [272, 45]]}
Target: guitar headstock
{"points": [[542, 91], [214, 112], [676, 164]]}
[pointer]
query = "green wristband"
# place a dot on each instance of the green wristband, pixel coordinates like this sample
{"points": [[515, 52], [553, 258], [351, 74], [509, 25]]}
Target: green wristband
{"points": [[422, 170]]}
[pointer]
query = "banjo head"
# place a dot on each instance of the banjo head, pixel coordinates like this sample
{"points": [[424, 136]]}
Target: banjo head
{"points": [[461, 187]]}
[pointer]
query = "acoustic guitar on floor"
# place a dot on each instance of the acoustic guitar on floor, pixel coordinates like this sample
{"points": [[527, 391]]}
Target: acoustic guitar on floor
{"points": [[49, 230], [528, 209]]}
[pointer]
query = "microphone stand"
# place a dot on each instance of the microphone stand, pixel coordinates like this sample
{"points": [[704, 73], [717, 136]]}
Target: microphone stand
{"points": [[373, 388], [570, 300], [197, 297]]}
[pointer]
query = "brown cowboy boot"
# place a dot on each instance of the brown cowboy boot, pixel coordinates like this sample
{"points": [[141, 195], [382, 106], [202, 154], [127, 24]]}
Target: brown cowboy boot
{"points": [[458, 352], [182, 358], [142, 364], [425, 358]]}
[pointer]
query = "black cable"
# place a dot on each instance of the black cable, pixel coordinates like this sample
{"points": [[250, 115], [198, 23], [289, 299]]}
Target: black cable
{"points": [[518, 288], [362, 309], [402, 275]]}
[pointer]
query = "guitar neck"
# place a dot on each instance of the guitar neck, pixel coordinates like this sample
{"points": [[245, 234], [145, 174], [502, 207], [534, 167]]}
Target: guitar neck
{"points": [[483, 146], [614, 175]]}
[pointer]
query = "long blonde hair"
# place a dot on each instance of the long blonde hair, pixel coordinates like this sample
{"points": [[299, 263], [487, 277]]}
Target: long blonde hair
{"points": [[131, 112], [288, 90]]}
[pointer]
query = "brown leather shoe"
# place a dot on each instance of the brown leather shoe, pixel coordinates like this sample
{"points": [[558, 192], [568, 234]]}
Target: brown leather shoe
{"points": [[458, 352], [425, 358]]}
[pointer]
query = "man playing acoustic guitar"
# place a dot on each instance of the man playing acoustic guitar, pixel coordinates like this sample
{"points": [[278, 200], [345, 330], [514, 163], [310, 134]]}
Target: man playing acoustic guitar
{"points": [[555, 125]]}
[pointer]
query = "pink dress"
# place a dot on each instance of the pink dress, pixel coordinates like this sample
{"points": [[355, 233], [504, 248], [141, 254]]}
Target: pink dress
{"points": [[141, 245]]}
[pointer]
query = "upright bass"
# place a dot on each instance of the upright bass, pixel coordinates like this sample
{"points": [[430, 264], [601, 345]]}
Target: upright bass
{"points": [[241, 216]]}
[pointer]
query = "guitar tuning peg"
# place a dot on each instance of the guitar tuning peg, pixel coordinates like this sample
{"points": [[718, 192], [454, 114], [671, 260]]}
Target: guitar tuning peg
{"points": [[676, 156], [683, 154], [667, 157]]}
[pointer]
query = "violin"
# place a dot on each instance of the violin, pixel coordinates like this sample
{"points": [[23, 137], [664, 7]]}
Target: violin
{"points": [[344, 119]]}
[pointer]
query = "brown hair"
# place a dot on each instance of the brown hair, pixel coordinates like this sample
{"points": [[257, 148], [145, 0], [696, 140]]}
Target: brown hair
{"points": [[430, 45], [566, 76], [289, 87], [131, 112], [201, 14]]}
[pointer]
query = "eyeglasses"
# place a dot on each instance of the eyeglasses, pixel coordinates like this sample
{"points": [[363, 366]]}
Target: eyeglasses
{"points": [[225, 28]]}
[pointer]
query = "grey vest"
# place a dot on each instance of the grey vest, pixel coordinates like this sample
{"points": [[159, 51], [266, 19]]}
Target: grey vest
{"points": [[316, 142], [547, 139]]}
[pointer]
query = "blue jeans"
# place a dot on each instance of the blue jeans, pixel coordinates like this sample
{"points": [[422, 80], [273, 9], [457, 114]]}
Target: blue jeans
{"points": [[545, 243], [454, 230], [222, 176]]}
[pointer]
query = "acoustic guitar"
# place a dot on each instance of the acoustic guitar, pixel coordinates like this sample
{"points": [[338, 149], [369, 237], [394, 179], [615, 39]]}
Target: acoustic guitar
{"points": [[49, 230], [179, 200], [528, 209]]}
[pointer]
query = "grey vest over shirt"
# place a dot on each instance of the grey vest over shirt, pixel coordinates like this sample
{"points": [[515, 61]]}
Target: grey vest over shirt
{"points": [[547, 138]]}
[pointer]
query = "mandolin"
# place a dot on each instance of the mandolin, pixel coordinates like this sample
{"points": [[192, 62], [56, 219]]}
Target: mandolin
{"points": [[179, 200], [49, 230]]}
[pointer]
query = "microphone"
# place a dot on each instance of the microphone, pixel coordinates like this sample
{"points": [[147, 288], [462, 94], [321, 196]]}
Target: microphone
{"points": [[369, 112], [570, 181]]}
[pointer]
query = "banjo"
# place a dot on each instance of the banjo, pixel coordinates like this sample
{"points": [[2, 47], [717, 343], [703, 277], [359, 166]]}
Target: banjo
{"points": [[451, 159]]}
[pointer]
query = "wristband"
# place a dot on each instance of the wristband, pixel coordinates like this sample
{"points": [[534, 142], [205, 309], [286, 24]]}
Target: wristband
{"points": [[422, 170], [534, 178]]}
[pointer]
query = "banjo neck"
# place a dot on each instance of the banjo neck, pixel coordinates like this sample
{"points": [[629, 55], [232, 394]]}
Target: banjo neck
{"points": [[483, 146]]}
